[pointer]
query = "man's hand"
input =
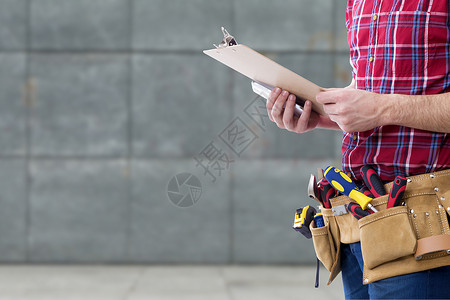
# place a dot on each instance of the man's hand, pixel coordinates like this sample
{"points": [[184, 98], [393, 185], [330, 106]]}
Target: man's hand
{"points": [[280, 108], [352, 109]]}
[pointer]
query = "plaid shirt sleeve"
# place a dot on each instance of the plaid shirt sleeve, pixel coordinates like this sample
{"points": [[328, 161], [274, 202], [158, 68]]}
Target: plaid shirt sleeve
{"points": [[401, 47]]}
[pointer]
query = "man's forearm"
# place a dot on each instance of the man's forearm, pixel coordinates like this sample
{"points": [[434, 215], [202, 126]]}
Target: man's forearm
{"points": [[427, 112], [356, 110]]}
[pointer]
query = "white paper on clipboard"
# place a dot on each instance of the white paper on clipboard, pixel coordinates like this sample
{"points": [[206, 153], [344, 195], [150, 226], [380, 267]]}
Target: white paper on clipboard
{"points": [[264, 91]]}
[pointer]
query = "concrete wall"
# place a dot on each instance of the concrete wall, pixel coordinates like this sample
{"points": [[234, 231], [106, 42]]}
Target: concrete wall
{"points": [[102, 102]]}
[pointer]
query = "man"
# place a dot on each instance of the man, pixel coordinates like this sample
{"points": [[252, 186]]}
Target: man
{"points": [[395, 115]]}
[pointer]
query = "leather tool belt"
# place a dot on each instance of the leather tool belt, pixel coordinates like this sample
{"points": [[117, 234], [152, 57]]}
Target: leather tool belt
{"points": [[395, 241]]}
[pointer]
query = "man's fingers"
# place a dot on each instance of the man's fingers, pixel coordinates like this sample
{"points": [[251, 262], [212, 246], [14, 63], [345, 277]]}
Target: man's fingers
{"points": [[278, 108], [272, 97], [303, 121], [325, 97], [328, 102], [288, 115]]}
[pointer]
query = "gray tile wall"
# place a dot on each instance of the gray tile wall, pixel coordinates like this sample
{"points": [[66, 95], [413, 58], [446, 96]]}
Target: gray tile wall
{"points": [[102, 102]]}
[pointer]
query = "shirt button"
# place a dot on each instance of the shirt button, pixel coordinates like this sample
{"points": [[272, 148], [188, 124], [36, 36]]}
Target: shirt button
{"points": [[374, 17], [371, 59], [354, 137]]}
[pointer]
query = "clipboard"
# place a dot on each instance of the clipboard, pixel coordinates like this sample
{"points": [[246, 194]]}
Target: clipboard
{"points": [[262, 69]]}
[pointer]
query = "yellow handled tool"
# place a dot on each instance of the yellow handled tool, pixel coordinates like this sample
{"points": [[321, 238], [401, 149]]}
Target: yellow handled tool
{"points": [[346, 186], [301, 217]]}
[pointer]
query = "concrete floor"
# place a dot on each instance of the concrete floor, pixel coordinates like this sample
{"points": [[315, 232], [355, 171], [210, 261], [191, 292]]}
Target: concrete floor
{"points": [[51, 282]]}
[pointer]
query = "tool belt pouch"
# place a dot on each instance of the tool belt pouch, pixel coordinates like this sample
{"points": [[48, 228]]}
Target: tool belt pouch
{"points": [[324, 245], [386, 236], [348, 225], [327, 243], [410, 238], [394, 241]]}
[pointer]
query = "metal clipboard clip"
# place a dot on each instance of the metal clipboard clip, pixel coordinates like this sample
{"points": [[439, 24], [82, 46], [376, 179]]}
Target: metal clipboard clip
{"points": [[228, 40]]}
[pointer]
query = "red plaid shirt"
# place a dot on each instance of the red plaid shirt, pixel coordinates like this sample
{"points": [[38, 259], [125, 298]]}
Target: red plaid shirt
{"points": [[398, 47]]}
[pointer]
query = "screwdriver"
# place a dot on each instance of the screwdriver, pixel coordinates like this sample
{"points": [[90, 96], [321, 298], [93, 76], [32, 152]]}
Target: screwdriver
{"points": [[397, 191], [318, 219], [356, 210], [346, 186], [372, 181], [365, 190], [327, 192]]}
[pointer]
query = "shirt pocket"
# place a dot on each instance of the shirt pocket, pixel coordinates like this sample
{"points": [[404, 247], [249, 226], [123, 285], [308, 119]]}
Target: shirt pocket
{"points": [[415, 41]]}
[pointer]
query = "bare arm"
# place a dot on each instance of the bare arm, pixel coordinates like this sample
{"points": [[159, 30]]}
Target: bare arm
{"points": [[427, 112], [356, 110]]}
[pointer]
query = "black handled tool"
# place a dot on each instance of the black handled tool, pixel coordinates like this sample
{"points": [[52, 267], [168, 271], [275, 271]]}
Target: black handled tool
{"points": [[365, 190], [327, 192], [372, 181], [345, 185], [397, 191], [356, 210]]}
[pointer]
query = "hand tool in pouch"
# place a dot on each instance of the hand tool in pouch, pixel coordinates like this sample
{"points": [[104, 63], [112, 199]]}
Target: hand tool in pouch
{"points": [[365, 190], [313, 191], [318, 219], [372, 181], [303, 218], [397, 191], [356, 210], [345, 185], [327, 192]]}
